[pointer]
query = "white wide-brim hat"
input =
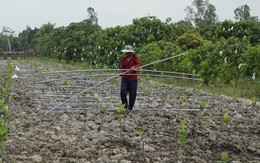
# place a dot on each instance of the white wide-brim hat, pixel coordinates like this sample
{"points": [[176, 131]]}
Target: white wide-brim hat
{"points": [[128, 49]]}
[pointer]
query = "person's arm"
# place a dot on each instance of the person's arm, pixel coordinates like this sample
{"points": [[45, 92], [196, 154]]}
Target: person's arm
{"points": [[137, 63], [122, 66]]}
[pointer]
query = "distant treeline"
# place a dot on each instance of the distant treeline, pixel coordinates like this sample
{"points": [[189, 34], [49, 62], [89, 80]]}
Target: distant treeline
{"points": [[219, 51]]}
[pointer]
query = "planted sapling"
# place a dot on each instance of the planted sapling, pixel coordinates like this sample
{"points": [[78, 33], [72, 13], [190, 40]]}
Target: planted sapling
{"points": [[96, 97], [224, 158], [226, 120], [84, 93], [3, 134], [65, 82], [181, 101], [142, 130], [202, 105], [120, 113], [103, 109], [184, 133]]}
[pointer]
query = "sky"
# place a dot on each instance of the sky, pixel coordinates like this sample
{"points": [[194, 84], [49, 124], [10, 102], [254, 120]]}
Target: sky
{"points": [[18, 14]]}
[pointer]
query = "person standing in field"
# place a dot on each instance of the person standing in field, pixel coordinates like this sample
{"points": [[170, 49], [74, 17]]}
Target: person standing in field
{"points": [[129, 80]]}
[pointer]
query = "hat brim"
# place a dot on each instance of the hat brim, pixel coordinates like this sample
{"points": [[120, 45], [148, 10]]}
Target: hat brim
{"points": [[127, 51]]}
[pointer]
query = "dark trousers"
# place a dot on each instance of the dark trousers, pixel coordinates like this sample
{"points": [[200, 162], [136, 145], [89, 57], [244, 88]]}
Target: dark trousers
{"points": [[128, 86]]}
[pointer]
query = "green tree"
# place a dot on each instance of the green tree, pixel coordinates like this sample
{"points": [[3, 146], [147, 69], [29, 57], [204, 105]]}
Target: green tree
{"points": [[201, 13], [26, 38], [44, 40], [92, 15], [7, 36], [242, 13]]}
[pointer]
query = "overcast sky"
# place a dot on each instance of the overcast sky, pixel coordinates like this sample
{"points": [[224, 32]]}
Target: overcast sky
{"points": [[17, 14]]}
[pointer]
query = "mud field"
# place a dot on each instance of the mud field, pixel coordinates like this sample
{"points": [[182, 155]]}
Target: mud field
{"points": [[77, 131]]}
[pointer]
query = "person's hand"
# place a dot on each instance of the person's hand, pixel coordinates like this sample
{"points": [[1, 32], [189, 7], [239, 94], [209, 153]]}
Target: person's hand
{"points": [[132, 68]]}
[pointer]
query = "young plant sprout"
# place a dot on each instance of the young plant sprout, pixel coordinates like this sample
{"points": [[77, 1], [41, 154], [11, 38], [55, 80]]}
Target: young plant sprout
{"points": [[96, 97], [120, 113], [103, 109], [142, 130], [224, 157], [84, 93], [202, 105], [184, 133], [3, 134], [181, 102], [226, 118], [254, 101], [65, 82], [163, 100]]}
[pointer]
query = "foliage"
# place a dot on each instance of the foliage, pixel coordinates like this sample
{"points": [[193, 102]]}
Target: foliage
{"points": [[226, 118], [201, 13], [96, 97], [221, 52], [156, 51], [183, 132], [3, 134], [224, 157], [190, 40], [103, 109], [242, 13], [121, 110], [142, 130], [254, 101], [202, 105], [181, 101]]}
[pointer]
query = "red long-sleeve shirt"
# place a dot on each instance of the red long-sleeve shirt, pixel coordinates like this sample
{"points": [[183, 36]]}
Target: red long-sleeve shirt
{"points": [[127, 64]]}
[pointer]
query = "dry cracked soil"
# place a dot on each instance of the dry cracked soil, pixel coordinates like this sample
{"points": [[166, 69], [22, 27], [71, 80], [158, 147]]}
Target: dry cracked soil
{"points": [[39, 134]]}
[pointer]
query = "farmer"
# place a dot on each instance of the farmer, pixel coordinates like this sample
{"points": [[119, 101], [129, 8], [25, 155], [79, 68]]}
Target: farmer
{"points": [[129, 61]]}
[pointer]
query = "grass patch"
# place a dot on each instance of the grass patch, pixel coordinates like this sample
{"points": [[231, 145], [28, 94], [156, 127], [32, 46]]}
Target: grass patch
{"points": [[245, 88]]}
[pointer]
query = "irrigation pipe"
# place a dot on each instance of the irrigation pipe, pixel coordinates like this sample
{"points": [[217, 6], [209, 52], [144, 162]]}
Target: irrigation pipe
{"points": [[112, 109], [161, 75], [99, 75], [112, 78], [140, 70]]}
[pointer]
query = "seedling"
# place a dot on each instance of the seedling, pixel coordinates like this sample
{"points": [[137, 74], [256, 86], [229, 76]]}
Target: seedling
{"points": [[4, 91], [254, 101], [163, 100], [84, 93], [96, 97], [65, 82], [226, 118], [184, 133], [3, 133], [10, 99], [224, 157], [103, 109], [142, 130], [120, 113], [202, 105], [181, 102], [5, 111]]}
